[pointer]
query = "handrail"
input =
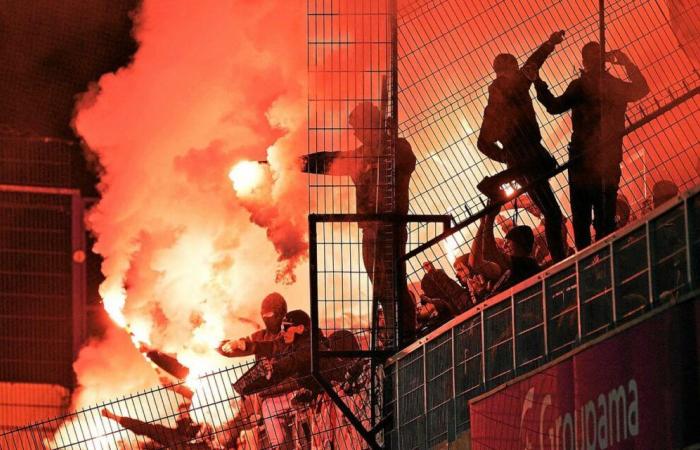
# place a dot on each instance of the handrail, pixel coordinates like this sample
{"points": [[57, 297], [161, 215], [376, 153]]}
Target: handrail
{"points": [[546, 273]]}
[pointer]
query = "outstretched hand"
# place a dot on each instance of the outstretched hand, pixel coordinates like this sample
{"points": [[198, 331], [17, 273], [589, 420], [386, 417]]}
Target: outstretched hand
{"points": [[557, 37], [228, 347]]}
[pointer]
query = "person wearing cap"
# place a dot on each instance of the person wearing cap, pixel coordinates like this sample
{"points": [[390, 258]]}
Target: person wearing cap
{"points": [[272, 311], [510, 266], [290, 354], [510, 134], [366, 166], [595, 151]]}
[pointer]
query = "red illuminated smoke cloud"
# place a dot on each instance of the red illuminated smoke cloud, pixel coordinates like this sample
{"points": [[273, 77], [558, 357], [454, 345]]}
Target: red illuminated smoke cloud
{"points": [[212, 83]]}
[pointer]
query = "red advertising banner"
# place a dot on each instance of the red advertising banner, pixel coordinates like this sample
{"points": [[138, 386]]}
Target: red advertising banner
{"points": [[625, 392]]}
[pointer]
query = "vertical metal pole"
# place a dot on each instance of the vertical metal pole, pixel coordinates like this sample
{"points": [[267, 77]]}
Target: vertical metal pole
{"points": [[425, 395], [613, 283], [545, 320], [688, 243], [513, 332], [650, 262], [579, 307], [313, 283], [601, 93], [483, 349]]}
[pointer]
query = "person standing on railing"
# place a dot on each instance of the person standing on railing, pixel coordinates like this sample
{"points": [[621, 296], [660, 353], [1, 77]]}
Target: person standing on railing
{"points": [[510, 134], [598, 121], [364, 166]]}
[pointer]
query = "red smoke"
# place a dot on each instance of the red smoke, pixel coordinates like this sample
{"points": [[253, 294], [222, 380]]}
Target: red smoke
{"points": [[185, 258]]}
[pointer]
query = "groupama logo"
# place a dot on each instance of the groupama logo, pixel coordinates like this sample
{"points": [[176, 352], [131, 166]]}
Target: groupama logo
{"points": [[600, 423]]}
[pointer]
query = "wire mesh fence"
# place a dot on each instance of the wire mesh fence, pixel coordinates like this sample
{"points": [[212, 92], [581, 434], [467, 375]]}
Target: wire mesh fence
{"points": [[541, 320], [445, 60], [210, 413], [397, 92]]}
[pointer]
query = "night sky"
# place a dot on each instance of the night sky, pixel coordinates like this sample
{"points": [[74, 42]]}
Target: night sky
{"points": [[50, 52]]}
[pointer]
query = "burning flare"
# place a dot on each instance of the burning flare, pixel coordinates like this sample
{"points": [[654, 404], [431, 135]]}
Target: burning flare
{"points": [[246, 177]]}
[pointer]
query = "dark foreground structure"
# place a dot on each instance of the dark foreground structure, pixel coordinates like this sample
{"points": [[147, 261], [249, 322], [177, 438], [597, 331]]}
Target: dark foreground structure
{"points": [[598, 350]]}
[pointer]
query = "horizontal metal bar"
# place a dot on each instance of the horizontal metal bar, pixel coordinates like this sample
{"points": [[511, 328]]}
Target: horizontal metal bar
{"points": [[542, 276], [356, 353], [391, 218]]}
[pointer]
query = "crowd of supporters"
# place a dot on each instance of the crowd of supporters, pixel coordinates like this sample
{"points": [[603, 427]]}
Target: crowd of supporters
{"points": [[281, 406]]}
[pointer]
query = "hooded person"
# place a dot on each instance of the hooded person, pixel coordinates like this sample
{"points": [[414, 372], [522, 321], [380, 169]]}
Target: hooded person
{"points": [[272, 311], [290, 364]]}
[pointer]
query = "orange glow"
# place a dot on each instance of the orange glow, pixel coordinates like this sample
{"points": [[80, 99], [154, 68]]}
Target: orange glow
{"points": [[113, 302], [246, 177]]}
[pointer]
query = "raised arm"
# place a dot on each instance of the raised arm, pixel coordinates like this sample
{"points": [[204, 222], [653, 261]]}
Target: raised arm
{"points": [[538, 57], [331, 163], [557, 105], [637, 87], [485, 257]]}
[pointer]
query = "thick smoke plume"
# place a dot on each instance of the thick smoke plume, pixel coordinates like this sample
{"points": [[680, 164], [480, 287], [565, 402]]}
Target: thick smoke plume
{"points": [[185, 258]]}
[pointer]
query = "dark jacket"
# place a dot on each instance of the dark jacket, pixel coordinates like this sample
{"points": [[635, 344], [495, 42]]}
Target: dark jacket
{"points": [[510, 118], [437, 284], [520, 268], [363, 168], [596, 152]]}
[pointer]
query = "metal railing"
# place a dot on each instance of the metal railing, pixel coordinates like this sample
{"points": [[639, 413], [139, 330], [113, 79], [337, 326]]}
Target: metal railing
{"points": [[653, 262]]}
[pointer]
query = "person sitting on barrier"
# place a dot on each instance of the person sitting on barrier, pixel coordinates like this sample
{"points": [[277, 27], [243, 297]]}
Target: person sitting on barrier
{"points": [[365, 166], [596, 142], [273, 309], [510, 134], [508, 267]]}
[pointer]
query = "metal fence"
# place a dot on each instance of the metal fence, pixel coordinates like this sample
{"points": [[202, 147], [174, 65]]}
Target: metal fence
{"points": [[644, 266], [206, 414], [445, 54]]}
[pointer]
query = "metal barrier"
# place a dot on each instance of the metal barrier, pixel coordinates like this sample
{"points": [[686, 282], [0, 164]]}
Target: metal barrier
{"points": [[642, 266]]}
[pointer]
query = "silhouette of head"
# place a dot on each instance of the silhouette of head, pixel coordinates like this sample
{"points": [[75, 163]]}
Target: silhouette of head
{"points": [[273, 310], [505, 64], [428, 266], [367, 123], [590, 55], [623, 211], [519, 241], [663, 191], [298, 321]]}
